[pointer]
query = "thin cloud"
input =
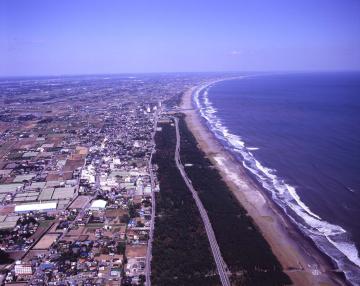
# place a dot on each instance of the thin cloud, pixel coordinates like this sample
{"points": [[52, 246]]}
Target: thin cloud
{"points": [[236, 52]]}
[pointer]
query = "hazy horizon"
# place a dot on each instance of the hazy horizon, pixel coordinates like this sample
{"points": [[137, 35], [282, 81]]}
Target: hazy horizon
{"points": [[38, 76], [48, 38]]}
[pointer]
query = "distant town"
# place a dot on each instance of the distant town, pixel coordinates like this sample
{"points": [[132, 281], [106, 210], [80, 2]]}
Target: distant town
{"points": [[76, 179]]}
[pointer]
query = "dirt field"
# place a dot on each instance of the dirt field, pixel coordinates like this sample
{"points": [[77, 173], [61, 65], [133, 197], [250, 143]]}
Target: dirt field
{"points": [[135, 251], [80, 202], [46, 241]]}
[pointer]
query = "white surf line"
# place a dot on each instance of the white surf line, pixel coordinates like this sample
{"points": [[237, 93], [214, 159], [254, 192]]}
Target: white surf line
{"points": [[287, 196]]}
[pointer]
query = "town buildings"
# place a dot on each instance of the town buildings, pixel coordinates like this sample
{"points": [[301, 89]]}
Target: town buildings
{"points": [[75, 185]]}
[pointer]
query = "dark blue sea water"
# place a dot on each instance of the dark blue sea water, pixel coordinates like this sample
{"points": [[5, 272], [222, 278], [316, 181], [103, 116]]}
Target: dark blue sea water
{"points": [[299, 137]]}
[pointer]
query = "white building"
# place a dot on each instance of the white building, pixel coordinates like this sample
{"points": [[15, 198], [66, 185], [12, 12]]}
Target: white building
{"points": [[98, 205], [36, 207], [23, 269]]}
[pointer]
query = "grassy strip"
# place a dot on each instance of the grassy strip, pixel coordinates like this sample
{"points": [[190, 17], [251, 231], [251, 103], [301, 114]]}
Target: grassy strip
{"points": [[181, 251], [243, 247]]}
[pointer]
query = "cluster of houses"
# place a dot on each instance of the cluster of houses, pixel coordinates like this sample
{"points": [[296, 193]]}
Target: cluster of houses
{"points": [[76, 185]]}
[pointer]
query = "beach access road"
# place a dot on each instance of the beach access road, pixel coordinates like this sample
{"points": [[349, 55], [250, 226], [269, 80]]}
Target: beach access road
{"points": [[219, 261]]}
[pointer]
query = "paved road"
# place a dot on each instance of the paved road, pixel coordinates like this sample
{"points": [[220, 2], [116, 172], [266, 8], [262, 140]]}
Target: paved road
{"points": [[220, 263], [152, 222]]}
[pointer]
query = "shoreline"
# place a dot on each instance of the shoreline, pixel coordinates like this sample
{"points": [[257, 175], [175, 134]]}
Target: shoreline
{"points": [[300, 259]]}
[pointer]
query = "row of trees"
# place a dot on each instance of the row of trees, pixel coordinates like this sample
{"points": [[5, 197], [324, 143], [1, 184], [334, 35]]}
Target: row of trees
{"points": [[181, 251], [243, 247]]}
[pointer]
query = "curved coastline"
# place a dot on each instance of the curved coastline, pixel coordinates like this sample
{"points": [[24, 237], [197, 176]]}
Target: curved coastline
{"points": [[330, 239], [301, 260]]}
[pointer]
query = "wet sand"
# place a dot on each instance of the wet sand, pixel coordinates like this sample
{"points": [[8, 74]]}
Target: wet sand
{"points": [[300, 259]]}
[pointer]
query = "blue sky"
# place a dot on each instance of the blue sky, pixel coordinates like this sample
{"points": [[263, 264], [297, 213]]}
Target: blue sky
{"points": [[52, 37]]}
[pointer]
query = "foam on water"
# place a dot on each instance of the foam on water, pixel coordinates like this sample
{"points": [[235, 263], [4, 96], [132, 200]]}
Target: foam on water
{"points": [[331, 239]]}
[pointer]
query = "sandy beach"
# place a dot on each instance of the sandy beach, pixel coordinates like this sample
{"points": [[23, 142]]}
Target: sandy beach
{"points": [[301, 260]]}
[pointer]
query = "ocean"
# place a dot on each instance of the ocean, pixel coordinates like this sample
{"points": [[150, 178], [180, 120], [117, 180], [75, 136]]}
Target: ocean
{"points": [[298, 135]]}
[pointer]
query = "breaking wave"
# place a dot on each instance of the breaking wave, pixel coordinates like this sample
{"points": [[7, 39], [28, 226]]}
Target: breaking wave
{"points": [[331, 239]]}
